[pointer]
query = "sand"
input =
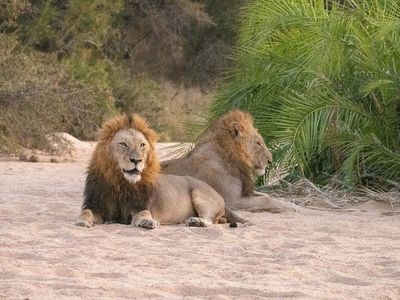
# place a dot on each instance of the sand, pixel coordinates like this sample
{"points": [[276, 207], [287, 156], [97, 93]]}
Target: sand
{"points": [[312, 254]]}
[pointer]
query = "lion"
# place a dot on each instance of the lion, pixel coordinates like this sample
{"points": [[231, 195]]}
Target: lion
{"points": [[124, 185], [226, 157]]}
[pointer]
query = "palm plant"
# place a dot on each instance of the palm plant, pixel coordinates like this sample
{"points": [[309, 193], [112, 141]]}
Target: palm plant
{"points": [[322, 79]]}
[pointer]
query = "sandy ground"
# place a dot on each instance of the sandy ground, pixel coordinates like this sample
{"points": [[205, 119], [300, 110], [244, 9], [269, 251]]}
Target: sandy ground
{"points": [[307, 255]]}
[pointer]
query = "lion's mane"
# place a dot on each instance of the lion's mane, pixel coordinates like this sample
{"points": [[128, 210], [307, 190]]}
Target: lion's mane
{"points": [[229, 149], [107, 192]]}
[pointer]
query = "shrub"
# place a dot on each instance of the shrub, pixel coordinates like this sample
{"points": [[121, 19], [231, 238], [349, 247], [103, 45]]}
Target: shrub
{"points": [[323, 82], [38, 96]]}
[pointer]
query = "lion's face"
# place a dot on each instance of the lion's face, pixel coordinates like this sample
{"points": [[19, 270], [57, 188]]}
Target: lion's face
{"points": [[253, 145], [130, 148]]}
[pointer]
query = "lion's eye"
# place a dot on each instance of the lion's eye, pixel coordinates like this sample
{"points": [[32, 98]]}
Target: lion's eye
{"points": [[259, 144], [142, 145], [123, 145]]}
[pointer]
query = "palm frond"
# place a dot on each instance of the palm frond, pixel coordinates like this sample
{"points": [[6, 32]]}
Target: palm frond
{"points": [[323, 83]]}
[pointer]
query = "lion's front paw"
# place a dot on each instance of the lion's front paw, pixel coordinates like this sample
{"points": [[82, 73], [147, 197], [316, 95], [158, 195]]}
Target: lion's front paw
{"points": [[197, 222], [84, 223], [147, 223]]}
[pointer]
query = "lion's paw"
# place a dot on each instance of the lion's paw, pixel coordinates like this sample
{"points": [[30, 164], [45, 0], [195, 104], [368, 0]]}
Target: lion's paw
{"points": [[147, 223], [240, 225], [84, 223], [197, 222]]}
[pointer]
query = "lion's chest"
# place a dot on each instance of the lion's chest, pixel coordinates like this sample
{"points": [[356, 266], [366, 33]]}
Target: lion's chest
{"points": [[230, 187], [220, 178]]}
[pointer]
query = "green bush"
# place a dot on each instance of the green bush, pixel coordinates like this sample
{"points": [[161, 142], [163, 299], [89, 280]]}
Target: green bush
{"points": [[323, 82]]}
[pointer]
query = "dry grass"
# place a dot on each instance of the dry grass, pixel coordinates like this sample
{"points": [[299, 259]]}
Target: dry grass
{"points": [[167, 106], [37, 97], [304, 192]]}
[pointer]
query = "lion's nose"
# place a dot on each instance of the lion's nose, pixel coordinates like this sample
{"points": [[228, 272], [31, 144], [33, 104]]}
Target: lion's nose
{"points": [[135, 161]]}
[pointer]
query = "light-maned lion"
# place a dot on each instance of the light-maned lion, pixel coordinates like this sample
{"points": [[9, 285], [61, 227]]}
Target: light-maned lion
{"points": [[123, 183], [226, 157]]}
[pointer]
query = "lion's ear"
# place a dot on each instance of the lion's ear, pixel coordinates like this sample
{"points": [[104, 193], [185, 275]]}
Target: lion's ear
{"points": [[234, 129]]}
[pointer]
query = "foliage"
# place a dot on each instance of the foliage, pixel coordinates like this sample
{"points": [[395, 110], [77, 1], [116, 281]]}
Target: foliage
{"points": [[10, 11], [65, 65], [207, 47], [323, 82], [38, 97]]}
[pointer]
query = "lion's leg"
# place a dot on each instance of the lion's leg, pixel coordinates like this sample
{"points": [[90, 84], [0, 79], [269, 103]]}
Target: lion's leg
{"points": [[209, 206], [144, 219], [89, 219], [262, 202], [232, 217]]}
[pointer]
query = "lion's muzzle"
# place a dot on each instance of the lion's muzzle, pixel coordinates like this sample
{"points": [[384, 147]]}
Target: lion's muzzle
{"points": [[135, 161], [132, 171]]}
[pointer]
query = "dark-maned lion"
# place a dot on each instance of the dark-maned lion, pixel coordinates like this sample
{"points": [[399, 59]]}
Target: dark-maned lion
{"points": [[123, 184], [226, 157]]}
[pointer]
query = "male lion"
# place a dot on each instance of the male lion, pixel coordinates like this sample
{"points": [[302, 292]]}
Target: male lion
{"points": [[123, 184], [225, 157]]}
